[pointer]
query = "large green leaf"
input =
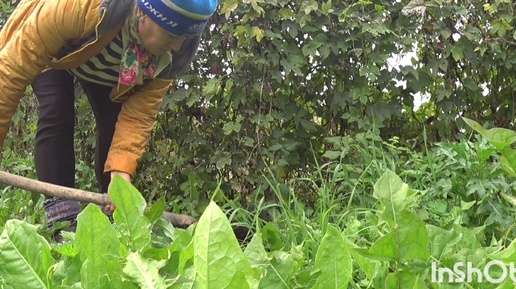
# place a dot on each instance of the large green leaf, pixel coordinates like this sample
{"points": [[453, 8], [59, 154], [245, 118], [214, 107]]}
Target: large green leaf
{"points": [[255, 252], [271, 272], [498, 137], [155, 212], [179, 254], [186, 280], [408, 240], [508, 160], [25, 259], [129, 214], [442, 241], [368, 266], [68, 270], [219, 261], [185, 256], [333, 261], [393, 193], [145, 272], [507, 255], [100, 250], [404, 279], [508, 165], [283, 266], [258, 259]]}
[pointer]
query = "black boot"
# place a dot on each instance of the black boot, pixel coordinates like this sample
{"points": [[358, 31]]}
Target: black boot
{"points": [[60, 210]]}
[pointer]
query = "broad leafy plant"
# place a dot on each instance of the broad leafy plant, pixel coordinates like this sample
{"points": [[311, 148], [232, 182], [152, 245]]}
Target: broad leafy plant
{"points": [[140, 250], [388, 246], [274, 79]]}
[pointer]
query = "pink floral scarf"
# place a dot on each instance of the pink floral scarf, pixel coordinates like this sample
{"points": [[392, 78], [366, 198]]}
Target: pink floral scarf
{"points": [[137, 63]]}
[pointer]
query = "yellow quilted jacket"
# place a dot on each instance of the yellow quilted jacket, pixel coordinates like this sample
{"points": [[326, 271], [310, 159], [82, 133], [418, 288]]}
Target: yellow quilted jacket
{"points": [[62, 34]]}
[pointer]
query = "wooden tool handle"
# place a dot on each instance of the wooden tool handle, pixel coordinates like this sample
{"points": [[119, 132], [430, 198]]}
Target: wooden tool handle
{"points": [[51, 190]]}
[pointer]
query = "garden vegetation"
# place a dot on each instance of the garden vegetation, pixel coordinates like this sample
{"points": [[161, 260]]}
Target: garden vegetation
{"points": [[298, 125]]}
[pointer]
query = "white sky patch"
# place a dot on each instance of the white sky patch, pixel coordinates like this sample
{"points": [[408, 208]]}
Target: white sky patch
{"points": [[395, 62]]}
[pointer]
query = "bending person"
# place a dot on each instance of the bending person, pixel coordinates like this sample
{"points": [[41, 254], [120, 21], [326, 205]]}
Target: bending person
{"points": [[125, 55]]}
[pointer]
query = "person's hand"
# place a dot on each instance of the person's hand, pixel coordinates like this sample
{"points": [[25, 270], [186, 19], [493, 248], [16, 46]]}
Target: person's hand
{"points": [[111, 207]]}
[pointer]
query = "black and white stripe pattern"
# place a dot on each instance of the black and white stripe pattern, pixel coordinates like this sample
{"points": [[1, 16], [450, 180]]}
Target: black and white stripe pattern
{"points": [[104, 68]]}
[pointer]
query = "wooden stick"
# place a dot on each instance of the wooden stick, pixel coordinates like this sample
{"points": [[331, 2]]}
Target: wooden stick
{"points": [[51, 190]]}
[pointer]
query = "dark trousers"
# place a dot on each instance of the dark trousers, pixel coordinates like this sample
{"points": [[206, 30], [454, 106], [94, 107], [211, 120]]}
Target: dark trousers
{"points": [[54, 146]]}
